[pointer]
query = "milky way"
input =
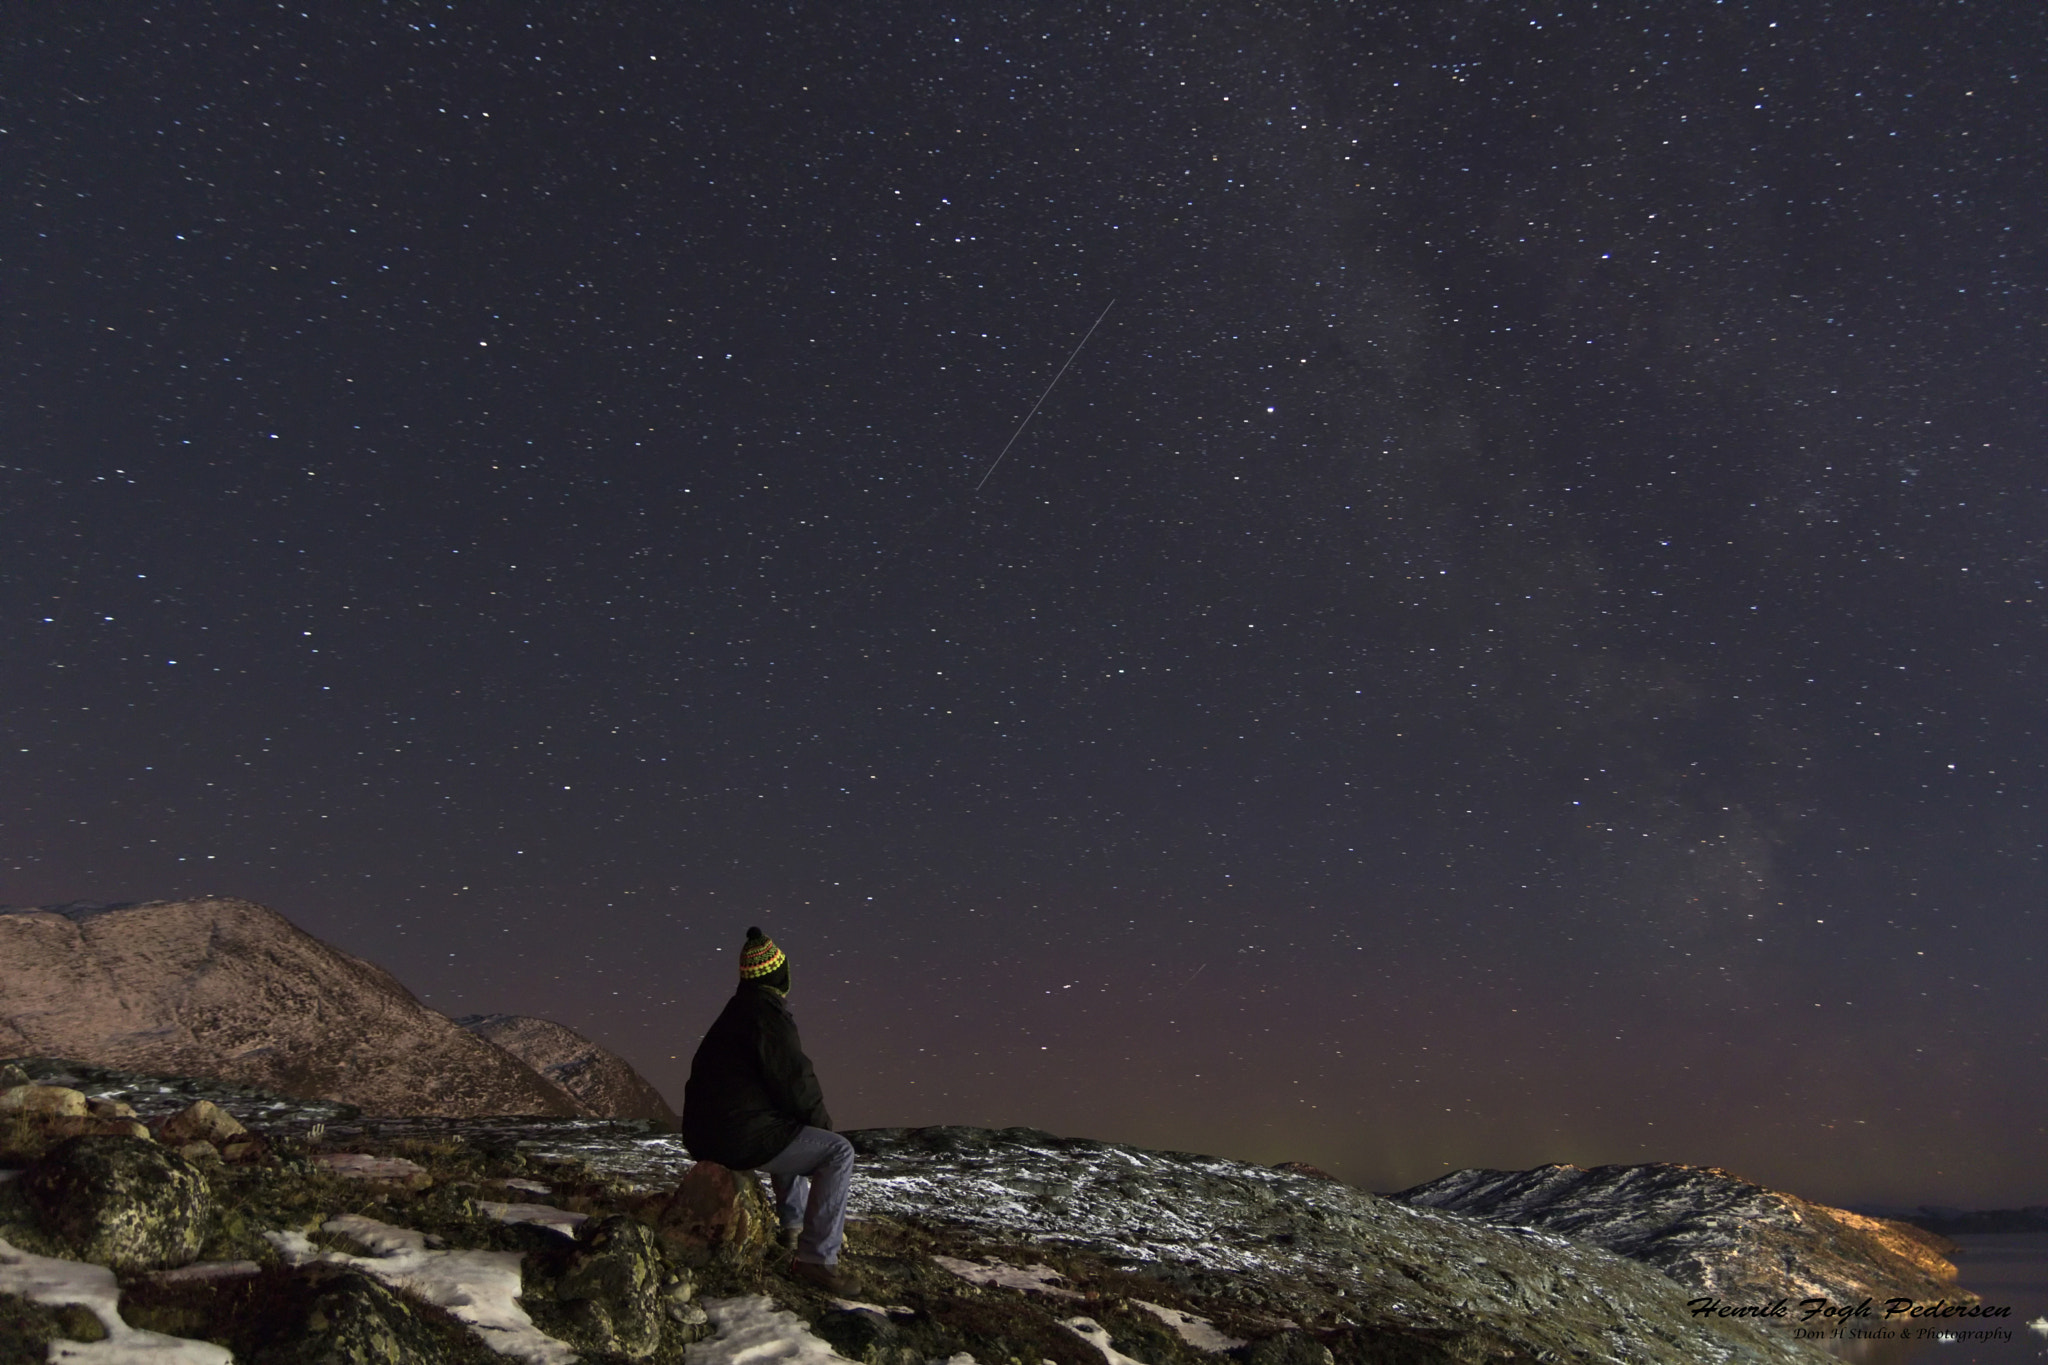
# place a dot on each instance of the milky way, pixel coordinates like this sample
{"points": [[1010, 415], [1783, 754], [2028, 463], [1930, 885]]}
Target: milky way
{"points": [[1517, 639]]}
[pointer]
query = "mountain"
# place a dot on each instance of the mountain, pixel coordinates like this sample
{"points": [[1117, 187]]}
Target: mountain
{"points": [[227, 988], [603, 1084], [1709, 1230]]}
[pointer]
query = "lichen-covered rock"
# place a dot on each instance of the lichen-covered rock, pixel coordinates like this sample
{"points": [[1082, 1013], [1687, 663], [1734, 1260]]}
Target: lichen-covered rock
{"points": [[48, 1100], [35, 1118], [715, 1214], [200, 1121], [91, 1125], [869, 1338], [613, 1290], [122, 1202], [351, 1319], [1285, 1348]]}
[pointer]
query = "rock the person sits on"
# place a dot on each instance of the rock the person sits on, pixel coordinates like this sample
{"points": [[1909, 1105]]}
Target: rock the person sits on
{"points": [[754, 1103]]}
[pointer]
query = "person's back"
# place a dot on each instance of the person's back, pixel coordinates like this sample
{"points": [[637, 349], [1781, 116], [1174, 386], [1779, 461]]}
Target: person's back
{"points": [[751, 1090], [753, 1103]]}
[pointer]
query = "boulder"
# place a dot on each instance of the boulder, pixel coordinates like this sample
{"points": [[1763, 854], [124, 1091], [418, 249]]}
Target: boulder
{"points": [[200, 1121], [123, 1202], [616, 1289], [35, 1118], [46, 1101], [864, 1336], [348, 1318], [72, 1125], [716, 1213]]}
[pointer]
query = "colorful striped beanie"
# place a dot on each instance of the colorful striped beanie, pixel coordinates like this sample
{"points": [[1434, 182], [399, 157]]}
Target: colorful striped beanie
{"points": [[760, 957]]}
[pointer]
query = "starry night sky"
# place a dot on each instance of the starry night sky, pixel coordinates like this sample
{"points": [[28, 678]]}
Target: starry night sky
{"points": [[1519, 638]]}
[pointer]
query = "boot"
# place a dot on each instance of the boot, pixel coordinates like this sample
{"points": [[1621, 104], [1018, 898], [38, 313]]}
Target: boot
{"points": [[829, 1278]]}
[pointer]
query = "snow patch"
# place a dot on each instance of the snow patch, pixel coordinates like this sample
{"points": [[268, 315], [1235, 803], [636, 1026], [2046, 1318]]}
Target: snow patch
{"points": [[547, 1215], [360, 1166], [879, 1310], [50, 1280], [1199, 1333], [1035, 1278], [202, 1271], [479, 1287], [753, 1331]]}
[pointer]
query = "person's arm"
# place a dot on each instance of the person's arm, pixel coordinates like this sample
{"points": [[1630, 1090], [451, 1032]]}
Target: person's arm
{"points": [[791, 1082]]}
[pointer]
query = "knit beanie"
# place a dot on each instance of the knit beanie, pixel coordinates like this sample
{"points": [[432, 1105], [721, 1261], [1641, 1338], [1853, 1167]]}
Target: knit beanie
{"points": [[761, 960]]}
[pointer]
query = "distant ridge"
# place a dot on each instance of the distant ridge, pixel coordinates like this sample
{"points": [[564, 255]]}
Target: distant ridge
{"points": [[1946, 1222], [230, 989], [601, 1082], [1707, 1228]]}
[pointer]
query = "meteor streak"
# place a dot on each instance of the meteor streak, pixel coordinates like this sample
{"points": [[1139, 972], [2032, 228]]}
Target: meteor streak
{"points": [[1048, 391]]}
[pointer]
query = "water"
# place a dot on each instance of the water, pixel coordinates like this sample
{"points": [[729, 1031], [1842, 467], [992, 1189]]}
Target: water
{"points": [[2002, 1268]]}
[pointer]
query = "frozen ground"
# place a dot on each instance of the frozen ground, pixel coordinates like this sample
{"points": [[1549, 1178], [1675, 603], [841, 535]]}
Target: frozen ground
{"points": [[54, 1282], [479, 1287]]}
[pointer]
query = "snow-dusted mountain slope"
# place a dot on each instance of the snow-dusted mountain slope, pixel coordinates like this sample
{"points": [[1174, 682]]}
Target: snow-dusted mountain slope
{"points": [[227, 988], [1708, 1229], [603, 1084]]}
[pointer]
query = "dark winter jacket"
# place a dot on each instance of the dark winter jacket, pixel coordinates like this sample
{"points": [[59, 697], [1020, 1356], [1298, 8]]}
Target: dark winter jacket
{"points": [[751, 1089]]}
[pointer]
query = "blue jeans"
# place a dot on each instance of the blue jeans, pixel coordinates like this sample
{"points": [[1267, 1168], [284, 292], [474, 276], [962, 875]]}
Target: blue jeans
{"points": [[811, 1177]]}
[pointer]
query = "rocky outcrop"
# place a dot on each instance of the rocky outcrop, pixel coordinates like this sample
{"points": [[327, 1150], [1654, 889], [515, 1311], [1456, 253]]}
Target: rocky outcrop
{"points": [[122, 1202], [614, 1292], [603, 1084], [1262, 1249], [229, 989], [602, 1239], [714, 1214], [346, 1318], [1710, 1231], [35, 1118]]}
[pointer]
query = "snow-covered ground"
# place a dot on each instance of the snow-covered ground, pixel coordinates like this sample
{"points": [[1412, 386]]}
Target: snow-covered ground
{"points": [[479, 1287], [54, 1282]]}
